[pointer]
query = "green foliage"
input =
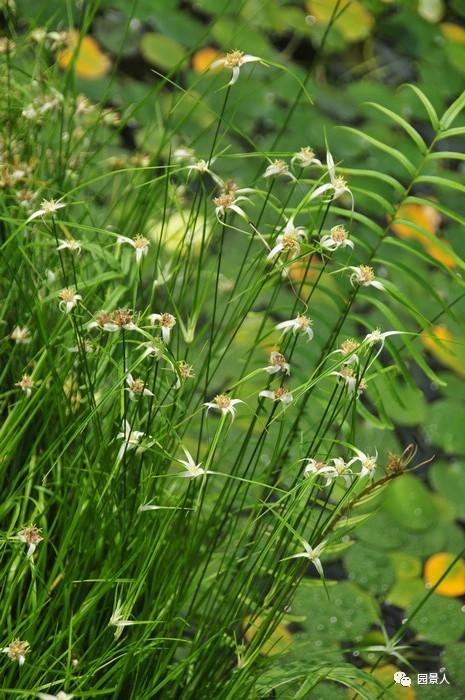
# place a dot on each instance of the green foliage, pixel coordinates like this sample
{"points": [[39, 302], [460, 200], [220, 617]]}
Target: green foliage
{"points": [[146, 584]]}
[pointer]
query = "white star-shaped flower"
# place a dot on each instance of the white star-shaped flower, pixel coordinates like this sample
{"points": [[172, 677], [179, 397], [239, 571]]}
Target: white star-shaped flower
{"points": [[312, 554], [224, 404], [301, 324], [280, 394], [289, 240], [131, 439], [234, 60], [364, 276], [139, 243], [47, 206], [337, 238]]}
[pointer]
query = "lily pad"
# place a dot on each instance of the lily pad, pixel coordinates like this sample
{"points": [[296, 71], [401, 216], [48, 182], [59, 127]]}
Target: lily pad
{"points": [[440, 620], [347, 614], [448, 480], [445, 426], [370, 568], [411, 504]]}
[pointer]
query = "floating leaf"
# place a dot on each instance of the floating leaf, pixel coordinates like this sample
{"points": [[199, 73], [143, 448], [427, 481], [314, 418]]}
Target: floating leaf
{"points": [[278, 642], [405, 591], [439, 620], [453, 585], [85, 55], [161, 50], [203, 58], [445, 425], [406, 566], [448, 479], [370, 569], [347, 614], [410, 503], [355, 22]]}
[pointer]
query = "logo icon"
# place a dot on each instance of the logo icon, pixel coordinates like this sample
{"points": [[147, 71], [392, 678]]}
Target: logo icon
{"points": [[401, 678]]}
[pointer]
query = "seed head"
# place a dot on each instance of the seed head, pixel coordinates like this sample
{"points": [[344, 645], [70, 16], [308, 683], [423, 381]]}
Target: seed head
{"points": [[185, 370], [349, 346], [303, 322], [233, 59], [17, 650], [122, 317], [137, 386], [222, 401], [30, 535], [366, 274], [225, 199], [21, 336], [338, 234], [167, 320]]}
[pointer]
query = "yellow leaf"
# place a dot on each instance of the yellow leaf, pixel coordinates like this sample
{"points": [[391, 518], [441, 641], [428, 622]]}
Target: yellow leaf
{"points": [[453, 32], [355, 23], [429, 219], [441, 343], [203, 58], [90, 62], [453, 585], [279, 641]]}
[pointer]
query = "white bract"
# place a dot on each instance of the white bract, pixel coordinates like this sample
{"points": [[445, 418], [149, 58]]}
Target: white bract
{"points": [[203, 167], [343, 468], [131, 439], [17, 650], [136, 387], [364, 276], [30, 536], [166, 322], [60, 696], [288, 240], [69, 299], [337, 238], [227, 201], [368, 463], [377, 336], [139, 243], [234, 60], [150, 350], [26, 384], [280, 394], [315, 467], [301, 324], [21, 335], [277, 364], [193, 470], [347, 349], [278, 168], [337, 185], [224, 404], [352, 381], [118, 620], [305, 157], [47, 206], [312, 554], [69, 244]]}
